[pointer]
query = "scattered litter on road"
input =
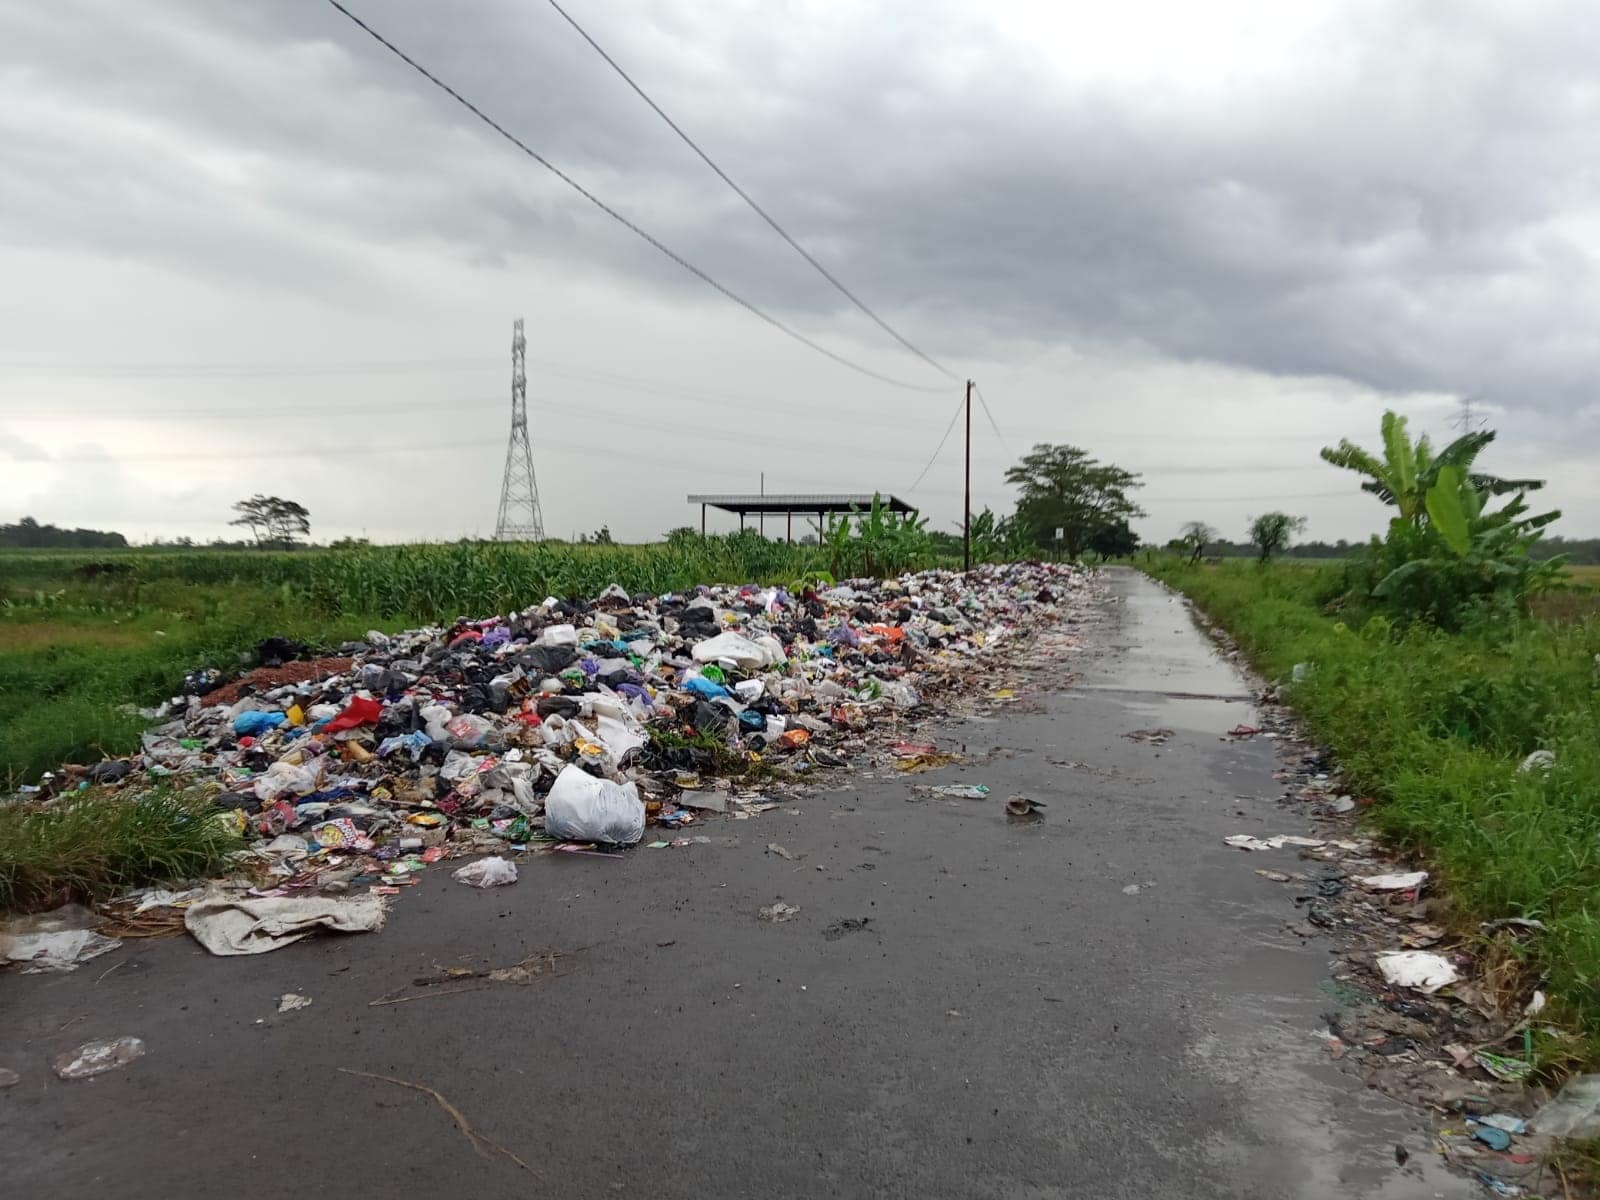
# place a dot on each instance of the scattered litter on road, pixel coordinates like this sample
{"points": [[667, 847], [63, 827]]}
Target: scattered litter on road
{"points": [[230, 924], [1342, 804], [1499, 1186], [1243, 731], [1575, 1111], [9, 1078], [962, 791], [487, 873], [293, 1002], [486, 1146], [779, 912], [1503, 1066], [1417, 969], [774, 848], [1402, 882], [59, 940], [1131, 890], [839, 928], [1151, 737], [96, 1058], [1243, 841], [1505, 1121], [1495, 1139], [542, 964], [1275, 876], [1021, 808]]}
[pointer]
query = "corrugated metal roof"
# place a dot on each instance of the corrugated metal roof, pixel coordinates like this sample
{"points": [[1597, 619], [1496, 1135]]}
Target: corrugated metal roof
{"points": [[799, 501]]}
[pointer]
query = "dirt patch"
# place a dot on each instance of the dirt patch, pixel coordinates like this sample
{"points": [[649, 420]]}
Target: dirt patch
{"points": [[53, 635], [265, 678]]}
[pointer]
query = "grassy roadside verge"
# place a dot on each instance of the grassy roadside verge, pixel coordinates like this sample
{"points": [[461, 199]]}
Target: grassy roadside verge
{"points": [[1434, 726]]}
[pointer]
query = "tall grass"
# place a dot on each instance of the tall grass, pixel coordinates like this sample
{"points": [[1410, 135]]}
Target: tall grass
{"points": [[1434, 725], [93, 846], [440, 582]]}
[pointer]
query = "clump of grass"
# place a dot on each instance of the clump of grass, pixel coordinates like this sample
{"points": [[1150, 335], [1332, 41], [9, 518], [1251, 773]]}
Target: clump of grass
{"points": [[1576, 1162], [90, 846]]}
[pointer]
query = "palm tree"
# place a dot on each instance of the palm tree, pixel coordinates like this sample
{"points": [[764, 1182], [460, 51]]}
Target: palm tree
{"points": [[1407, 470]]}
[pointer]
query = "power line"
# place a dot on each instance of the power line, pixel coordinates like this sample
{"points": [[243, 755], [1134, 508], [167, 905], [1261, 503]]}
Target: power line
{"points": [[1002, 437], [595, 200], [954, 417], [750, 200]]}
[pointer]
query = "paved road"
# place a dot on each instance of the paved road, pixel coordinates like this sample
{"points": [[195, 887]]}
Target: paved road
{"points": [[1013, 1021]]}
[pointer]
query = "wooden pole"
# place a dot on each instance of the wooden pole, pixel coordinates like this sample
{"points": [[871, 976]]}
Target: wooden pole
{"points": [[966, 508]]}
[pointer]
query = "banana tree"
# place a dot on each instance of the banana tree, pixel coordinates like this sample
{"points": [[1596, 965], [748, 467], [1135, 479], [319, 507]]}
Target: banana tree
{"points": [[1408, 471], [1473, 551]]}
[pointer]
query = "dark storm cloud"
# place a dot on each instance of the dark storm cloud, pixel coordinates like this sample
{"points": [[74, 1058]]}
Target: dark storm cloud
{"points": [[1410, 201]]}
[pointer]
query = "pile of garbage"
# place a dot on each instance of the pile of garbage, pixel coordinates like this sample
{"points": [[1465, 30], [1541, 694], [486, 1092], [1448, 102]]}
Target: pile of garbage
{"points": [[571, 725]]}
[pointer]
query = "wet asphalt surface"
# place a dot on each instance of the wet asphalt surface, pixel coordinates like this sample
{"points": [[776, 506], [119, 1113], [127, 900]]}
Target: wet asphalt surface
{"points": [[1103, 1004]]}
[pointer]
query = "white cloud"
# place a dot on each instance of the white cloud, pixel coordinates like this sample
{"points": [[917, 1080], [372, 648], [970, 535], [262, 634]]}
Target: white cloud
{"points": [[1201, 242]]}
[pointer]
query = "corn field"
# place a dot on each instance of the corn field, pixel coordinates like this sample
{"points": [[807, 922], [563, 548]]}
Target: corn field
{"points": [[473, 578]]}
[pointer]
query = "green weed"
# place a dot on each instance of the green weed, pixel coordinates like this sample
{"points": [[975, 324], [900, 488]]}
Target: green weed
{"points": [[92, 846]]}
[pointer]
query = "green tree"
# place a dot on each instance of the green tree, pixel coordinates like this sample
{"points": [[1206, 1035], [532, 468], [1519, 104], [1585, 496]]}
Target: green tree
{"points": [[1271, 532], [1193, 539], [272, 520], [1063, 488], [1113, 541]]}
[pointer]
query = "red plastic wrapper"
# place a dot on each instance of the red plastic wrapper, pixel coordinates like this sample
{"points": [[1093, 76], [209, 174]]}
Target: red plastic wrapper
{"points": [[360, 711]]}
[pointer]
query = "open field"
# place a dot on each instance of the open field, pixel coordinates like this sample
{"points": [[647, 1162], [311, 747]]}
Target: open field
{"points": [[1434, 726]]}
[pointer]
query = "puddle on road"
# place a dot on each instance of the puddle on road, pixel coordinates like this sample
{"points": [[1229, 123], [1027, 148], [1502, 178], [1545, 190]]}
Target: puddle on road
{"points": [[1170, 654]]}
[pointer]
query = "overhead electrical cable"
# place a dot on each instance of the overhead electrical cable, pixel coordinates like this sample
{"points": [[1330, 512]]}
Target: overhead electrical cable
{"points": [[954, 417], [595, 200], [992, 425], [750, 200]]}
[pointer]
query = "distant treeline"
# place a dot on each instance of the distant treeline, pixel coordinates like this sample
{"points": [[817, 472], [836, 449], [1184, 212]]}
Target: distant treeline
{"points": [[1339, 549], [1581, 551], [29, 533]]}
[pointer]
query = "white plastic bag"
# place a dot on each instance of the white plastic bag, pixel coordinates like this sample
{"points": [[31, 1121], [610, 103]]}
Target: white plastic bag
{"points": [[470, 728], [739, 650], [1417, 969], [581, 808], [286, 779], [487, 873], [558, 635]]}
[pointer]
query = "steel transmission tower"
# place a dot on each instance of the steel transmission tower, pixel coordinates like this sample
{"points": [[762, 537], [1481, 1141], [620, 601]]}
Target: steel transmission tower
{"points": [[520, 519]]}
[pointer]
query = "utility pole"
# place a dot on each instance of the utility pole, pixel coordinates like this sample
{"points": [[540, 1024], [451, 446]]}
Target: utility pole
{"points": [[966, 507], [763, 510]]}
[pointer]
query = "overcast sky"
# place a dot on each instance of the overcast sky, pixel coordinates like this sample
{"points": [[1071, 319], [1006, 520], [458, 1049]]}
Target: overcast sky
{"points": [[244, 249]]}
